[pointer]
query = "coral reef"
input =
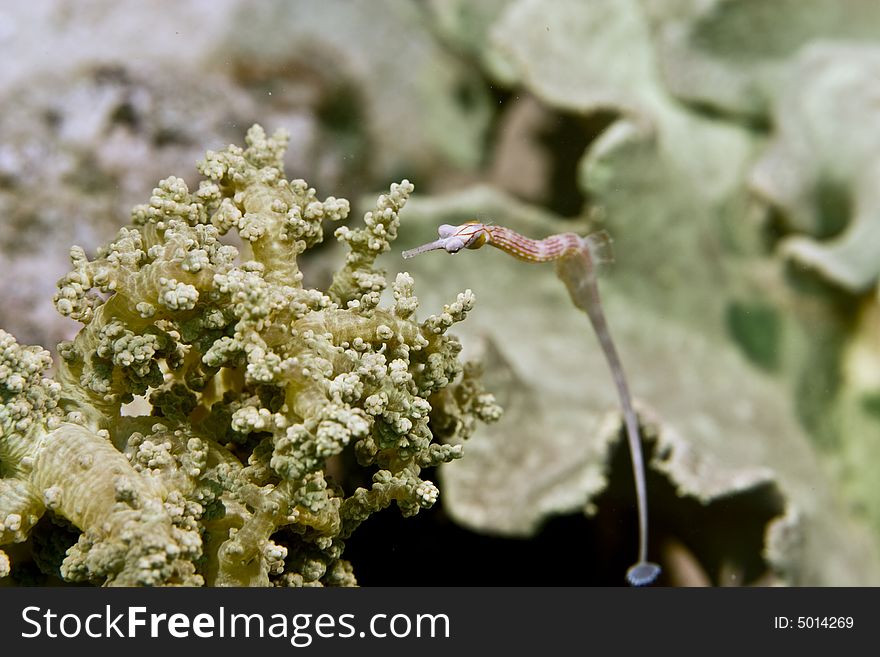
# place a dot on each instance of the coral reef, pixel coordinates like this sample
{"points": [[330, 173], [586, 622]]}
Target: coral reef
{"points": [[727, 146], [253, 384]]}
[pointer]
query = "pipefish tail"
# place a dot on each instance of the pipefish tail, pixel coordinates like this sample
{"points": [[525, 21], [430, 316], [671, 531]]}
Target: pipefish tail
{"points": [[576, 258]]}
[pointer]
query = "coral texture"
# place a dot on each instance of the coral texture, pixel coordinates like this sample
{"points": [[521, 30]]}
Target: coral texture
{"points": [[256, 386]]}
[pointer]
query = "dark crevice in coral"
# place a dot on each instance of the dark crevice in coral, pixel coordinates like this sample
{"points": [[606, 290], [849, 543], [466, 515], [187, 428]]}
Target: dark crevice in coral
{"points": [[26, 234], [126, 115], [726, 538], [8, 182], [566, 137], [841, 304], [536, 152], [90, 178], [774, 228], [341, 109], [725, 535], [111, 75], [834, 203], [52, 117], [389, 550], [754, 121], [169, 136], [38, 563], [466, 94]]}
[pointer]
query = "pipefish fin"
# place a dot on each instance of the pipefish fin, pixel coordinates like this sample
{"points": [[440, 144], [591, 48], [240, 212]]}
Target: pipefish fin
{"points": [[642, 573], [599, 246]]}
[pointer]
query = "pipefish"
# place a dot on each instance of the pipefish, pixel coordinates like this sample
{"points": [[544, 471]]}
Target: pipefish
{"points": [[576, 258]]}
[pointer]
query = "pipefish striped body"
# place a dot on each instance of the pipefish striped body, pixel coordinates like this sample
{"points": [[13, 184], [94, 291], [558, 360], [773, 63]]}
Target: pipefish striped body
{"points": [[576, 258], [474, 235]]}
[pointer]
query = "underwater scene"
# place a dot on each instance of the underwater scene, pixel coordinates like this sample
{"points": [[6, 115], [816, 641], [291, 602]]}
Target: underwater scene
{"points": [[440, 293]]}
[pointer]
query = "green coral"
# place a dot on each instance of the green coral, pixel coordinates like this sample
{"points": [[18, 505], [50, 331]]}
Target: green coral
{"points": [[254, 384]]}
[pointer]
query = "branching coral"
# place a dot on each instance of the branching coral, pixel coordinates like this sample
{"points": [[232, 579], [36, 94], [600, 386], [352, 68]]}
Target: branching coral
{"points": [[254, 383]]}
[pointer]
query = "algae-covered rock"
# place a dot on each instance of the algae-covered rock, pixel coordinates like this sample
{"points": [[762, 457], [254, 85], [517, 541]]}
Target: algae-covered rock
{"points": [[729, 55], [819, 170], [466, 27], [404, 89]]}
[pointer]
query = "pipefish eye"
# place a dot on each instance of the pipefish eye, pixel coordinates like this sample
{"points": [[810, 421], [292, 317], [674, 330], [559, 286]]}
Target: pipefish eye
{"points": [[477, 240], [473, 235]]}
